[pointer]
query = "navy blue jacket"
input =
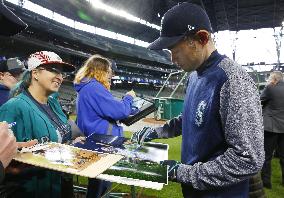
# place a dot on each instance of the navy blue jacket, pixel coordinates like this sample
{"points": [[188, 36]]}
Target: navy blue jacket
{"points": [[4, 94], [222, 131]]}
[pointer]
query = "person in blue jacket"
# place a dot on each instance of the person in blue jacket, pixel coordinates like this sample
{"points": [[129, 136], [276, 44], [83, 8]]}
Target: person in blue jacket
{"points": [[38, 115], [97, 110], [221, 122]]}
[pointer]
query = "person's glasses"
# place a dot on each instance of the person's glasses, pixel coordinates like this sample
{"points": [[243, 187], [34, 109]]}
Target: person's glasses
{"points": [[54, 70]]}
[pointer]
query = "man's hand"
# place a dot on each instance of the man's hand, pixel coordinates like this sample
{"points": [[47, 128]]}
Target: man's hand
{"points": [[144, 135], [8, 145], [172, 168]]}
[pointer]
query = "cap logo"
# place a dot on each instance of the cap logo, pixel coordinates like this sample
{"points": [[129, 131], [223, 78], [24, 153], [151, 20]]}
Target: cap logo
{"points": [[190, 27], [199, 115]]}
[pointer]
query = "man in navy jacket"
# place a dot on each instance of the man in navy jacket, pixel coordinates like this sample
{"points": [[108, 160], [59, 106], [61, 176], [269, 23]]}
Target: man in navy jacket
{"points": [[221, 124]]}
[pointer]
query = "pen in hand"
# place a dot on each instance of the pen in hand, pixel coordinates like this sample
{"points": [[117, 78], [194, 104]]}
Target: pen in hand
{"points": [[11, 125]]}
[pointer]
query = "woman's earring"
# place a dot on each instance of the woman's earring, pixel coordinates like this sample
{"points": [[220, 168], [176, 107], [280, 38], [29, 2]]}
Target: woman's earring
{"points": [[190, 43]]}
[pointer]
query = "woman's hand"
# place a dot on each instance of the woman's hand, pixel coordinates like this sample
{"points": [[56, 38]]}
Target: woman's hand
{"points": [[131, 93], [79, 139]]}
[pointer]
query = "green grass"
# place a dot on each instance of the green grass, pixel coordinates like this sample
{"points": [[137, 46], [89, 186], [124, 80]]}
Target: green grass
{"points": [[277, 190], [174, 189]]}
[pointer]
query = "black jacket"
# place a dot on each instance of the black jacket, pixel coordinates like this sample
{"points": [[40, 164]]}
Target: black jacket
{"points": [[2, 172], [273, 110]]}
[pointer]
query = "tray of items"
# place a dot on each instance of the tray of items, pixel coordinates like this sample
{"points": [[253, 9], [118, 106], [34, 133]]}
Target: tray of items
{"points": [[68, 159]]}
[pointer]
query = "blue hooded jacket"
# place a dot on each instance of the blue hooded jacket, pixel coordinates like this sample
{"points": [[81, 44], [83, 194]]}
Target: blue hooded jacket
{"points": [[98, 111]]}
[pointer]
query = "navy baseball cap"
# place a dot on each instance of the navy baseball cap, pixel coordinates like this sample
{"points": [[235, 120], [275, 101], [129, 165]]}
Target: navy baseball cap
{"points": [[10, 24], [12, 65], [179, 21]]}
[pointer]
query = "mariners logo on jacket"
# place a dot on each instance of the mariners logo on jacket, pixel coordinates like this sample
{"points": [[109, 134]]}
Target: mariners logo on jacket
{"points": [[199, 115]]}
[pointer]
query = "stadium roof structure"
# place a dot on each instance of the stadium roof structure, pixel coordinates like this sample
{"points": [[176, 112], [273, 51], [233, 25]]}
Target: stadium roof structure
{"points": [[46, 34], [231, 15]]}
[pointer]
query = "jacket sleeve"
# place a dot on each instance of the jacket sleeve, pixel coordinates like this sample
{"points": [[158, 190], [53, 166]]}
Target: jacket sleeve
{"points": [[2, 172], [171, 129], [9, 113], [241, 118], [109, 107], [265, 95]]}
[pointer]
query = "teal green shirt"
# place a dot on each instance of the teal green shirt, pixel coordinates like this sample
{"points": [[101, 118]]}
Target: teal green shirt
{"points": [[32, 123]]}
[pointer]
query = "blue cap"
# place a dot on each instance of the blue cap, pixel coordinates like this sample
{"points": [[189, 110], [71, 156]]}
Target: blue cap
{"points": [[179, 21]]}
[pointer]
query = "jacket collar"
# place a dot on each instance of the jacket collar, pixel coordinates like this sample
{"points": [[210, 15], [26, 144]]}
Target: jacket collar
{"points": [[3, 87], [211, 61], [26, 98]]}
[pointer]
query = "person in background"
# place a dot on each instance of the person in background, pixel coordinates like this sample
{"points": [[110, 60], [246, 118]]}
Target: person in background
{"points": [[221, 122], [97, 110], [272, 98], [38, 115], [10, 72]]}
